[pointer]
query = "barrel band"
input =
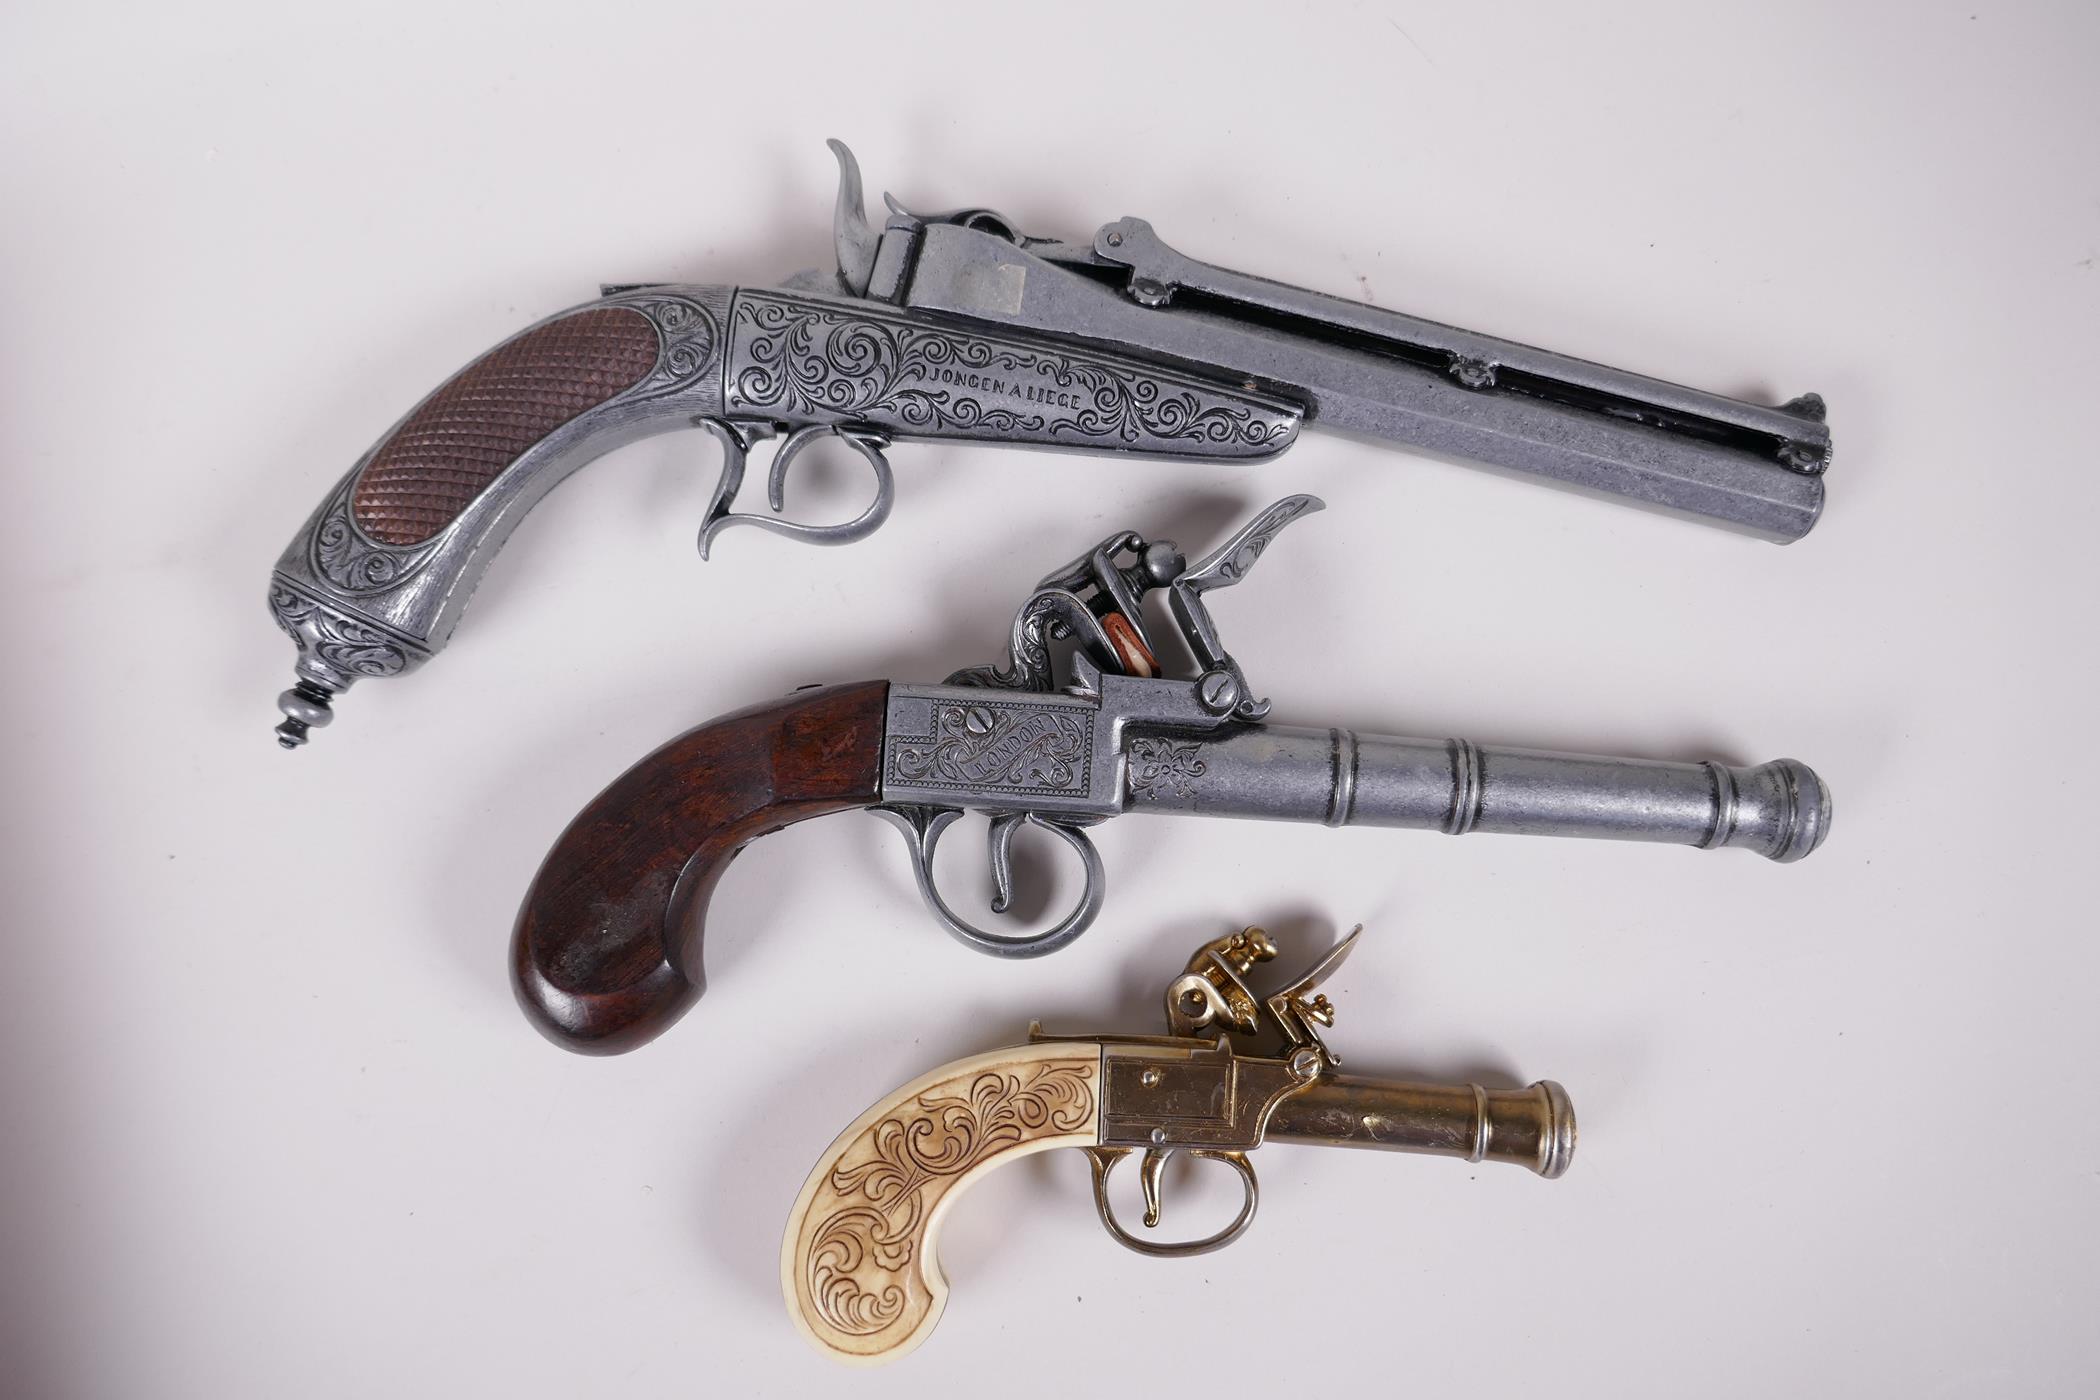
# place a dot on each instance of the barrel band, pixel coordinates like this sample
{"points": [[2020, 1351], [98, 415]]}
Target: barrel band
{"points": [[1341, 792], [1727, 806], [1483, 1125], [1465, 787]]}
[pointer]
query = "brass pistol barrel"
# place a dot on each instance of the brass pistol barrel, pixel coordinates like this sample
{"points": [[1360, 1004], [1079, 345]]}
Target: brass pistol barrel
{"points": [[1532, 1127]]}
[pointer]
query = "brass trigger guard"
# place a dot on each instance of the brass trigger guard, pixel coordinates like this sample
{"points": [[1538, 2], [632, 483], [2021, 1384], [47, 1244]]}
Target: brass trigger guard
{"points": [[738, 437], [922, 828], [1103, 1161]]}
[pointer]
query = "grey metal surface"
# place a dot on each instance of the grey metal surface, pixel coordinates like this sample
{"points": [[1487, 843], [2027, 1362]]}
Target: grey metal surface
{"points": [[358, 609], [1339, 778], [1618, 445], [1007, 740], [804, 365], [958, 327]]}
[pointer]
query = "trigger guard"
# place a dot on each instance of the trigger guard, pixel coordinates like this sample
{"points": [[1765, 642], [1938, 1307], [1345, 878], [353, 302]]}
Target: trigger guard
{"points": [[736, 440], [922, 828], [1103, 1161]]}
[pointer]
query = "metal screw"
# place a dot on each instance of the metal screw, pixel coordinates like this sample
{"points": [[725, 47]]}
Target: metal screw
{"points": [[1159, 1135], [1305, 1063], [978, 720], [1218, 691], [1472, 373], [1115, 240], [1150, 1079]]}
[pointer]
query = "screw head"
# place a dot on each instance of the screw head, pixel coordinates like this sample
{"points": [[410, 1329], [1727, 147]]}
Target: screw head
{"points": [[1218, 691], [1159, 1135], [1115, 240], [1150, 1079], [978, 720], [1305, 1063], [1473, 374]]}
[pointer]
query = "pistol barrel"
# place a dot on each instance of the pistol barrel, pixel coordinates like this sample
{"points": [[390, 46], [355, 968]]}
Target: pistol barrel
{"points": [[1279, 773], [1532, 1127], [1405, 380]]}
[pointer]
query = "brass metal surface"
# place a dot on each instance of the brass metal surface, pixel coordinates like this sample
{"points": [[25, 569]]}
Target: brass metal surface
{"points": [[1532, 1127], [858, 1264]]}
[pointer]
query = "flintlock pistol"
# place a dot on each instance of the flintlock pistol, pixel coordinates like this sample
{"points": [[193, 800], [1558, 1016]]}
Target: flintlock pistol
{"points": [[858, 1264], [957, 327], [607, 950]]}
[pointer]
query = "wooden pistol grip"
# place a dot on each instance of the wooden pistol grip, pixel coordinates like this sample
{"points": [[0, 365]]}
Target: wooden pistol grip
{"points": [[607, 951], [858, 1263], [640, 361], [423, 473]]}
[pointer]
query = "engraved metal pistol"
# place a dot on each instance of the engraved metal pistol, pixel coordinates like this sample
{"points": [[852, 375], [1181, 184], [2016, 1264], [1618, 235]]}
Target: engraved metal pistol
{"points": [[858, 1262], [607, 950], [957, 327]]}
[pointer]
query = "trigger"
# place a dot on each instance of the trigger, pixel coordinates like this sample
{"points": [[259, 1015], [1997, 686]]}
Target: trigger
{"points": [[1149, 1170], [999, 837]]}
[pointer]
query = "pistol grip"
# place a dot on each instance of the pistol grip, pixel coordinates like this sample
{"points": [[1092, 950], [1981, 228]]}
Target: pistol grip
{"points": [[607, 950], [859, 1264], [376, 580]]}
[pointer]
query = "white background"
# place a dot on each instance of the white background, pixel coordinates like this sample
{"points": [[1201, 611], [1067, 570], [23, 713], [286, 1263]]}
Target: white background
{"points": [[273, 1125]]}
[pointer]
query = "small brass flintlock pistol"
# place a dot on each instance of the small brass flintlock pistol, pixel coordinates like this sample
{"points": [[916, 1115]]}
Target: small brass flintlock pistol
{"points": [[607, 950], [955, 327], [859, 1263]]}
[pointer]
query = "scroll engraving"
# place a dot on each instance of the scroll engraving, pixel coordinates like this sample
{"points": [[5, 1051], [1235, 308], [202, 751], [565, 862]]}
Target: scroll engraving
{"points": [[1164, 765], [1237, 556], [1048, 613], [805, 358], [353, 562], [346, 552], [1000, 748], [343, 643], [690, 340], [858, 1272]]}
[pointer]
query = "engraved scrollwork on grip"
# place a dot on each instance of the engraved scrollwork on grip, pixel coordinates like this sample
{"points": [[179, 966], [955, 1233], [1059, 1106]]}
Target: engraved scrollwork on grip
{"points": [[802, 358], [690, 342], [356, 564], [858, 1273], [354, 561], [343, 644]]}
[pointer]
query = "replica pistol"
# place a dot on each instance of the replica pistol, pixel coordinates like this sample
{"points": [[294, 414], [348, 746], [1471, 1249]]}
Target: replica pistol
{"points": [[607, 949], [858, 1263], [957, 327]]}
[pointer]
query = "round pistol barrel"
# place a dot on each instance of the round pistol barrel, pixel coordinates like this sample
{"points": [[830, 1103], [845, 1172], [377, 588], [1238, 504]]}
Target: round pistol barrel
{"points": [[1335, 776], [1533, 1127]]}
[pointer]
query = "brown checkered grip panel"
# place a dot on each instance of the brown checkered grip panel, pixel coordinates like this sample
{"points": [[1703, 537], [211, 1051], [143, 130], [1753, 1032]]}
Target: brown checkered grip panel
{"points": [[491, 412]]}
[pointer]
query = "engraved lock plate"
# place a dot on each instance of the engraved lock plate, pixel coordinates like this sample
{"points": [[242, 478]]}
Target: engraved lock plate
{"points": [[971, 747], [1167, 1096]]}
